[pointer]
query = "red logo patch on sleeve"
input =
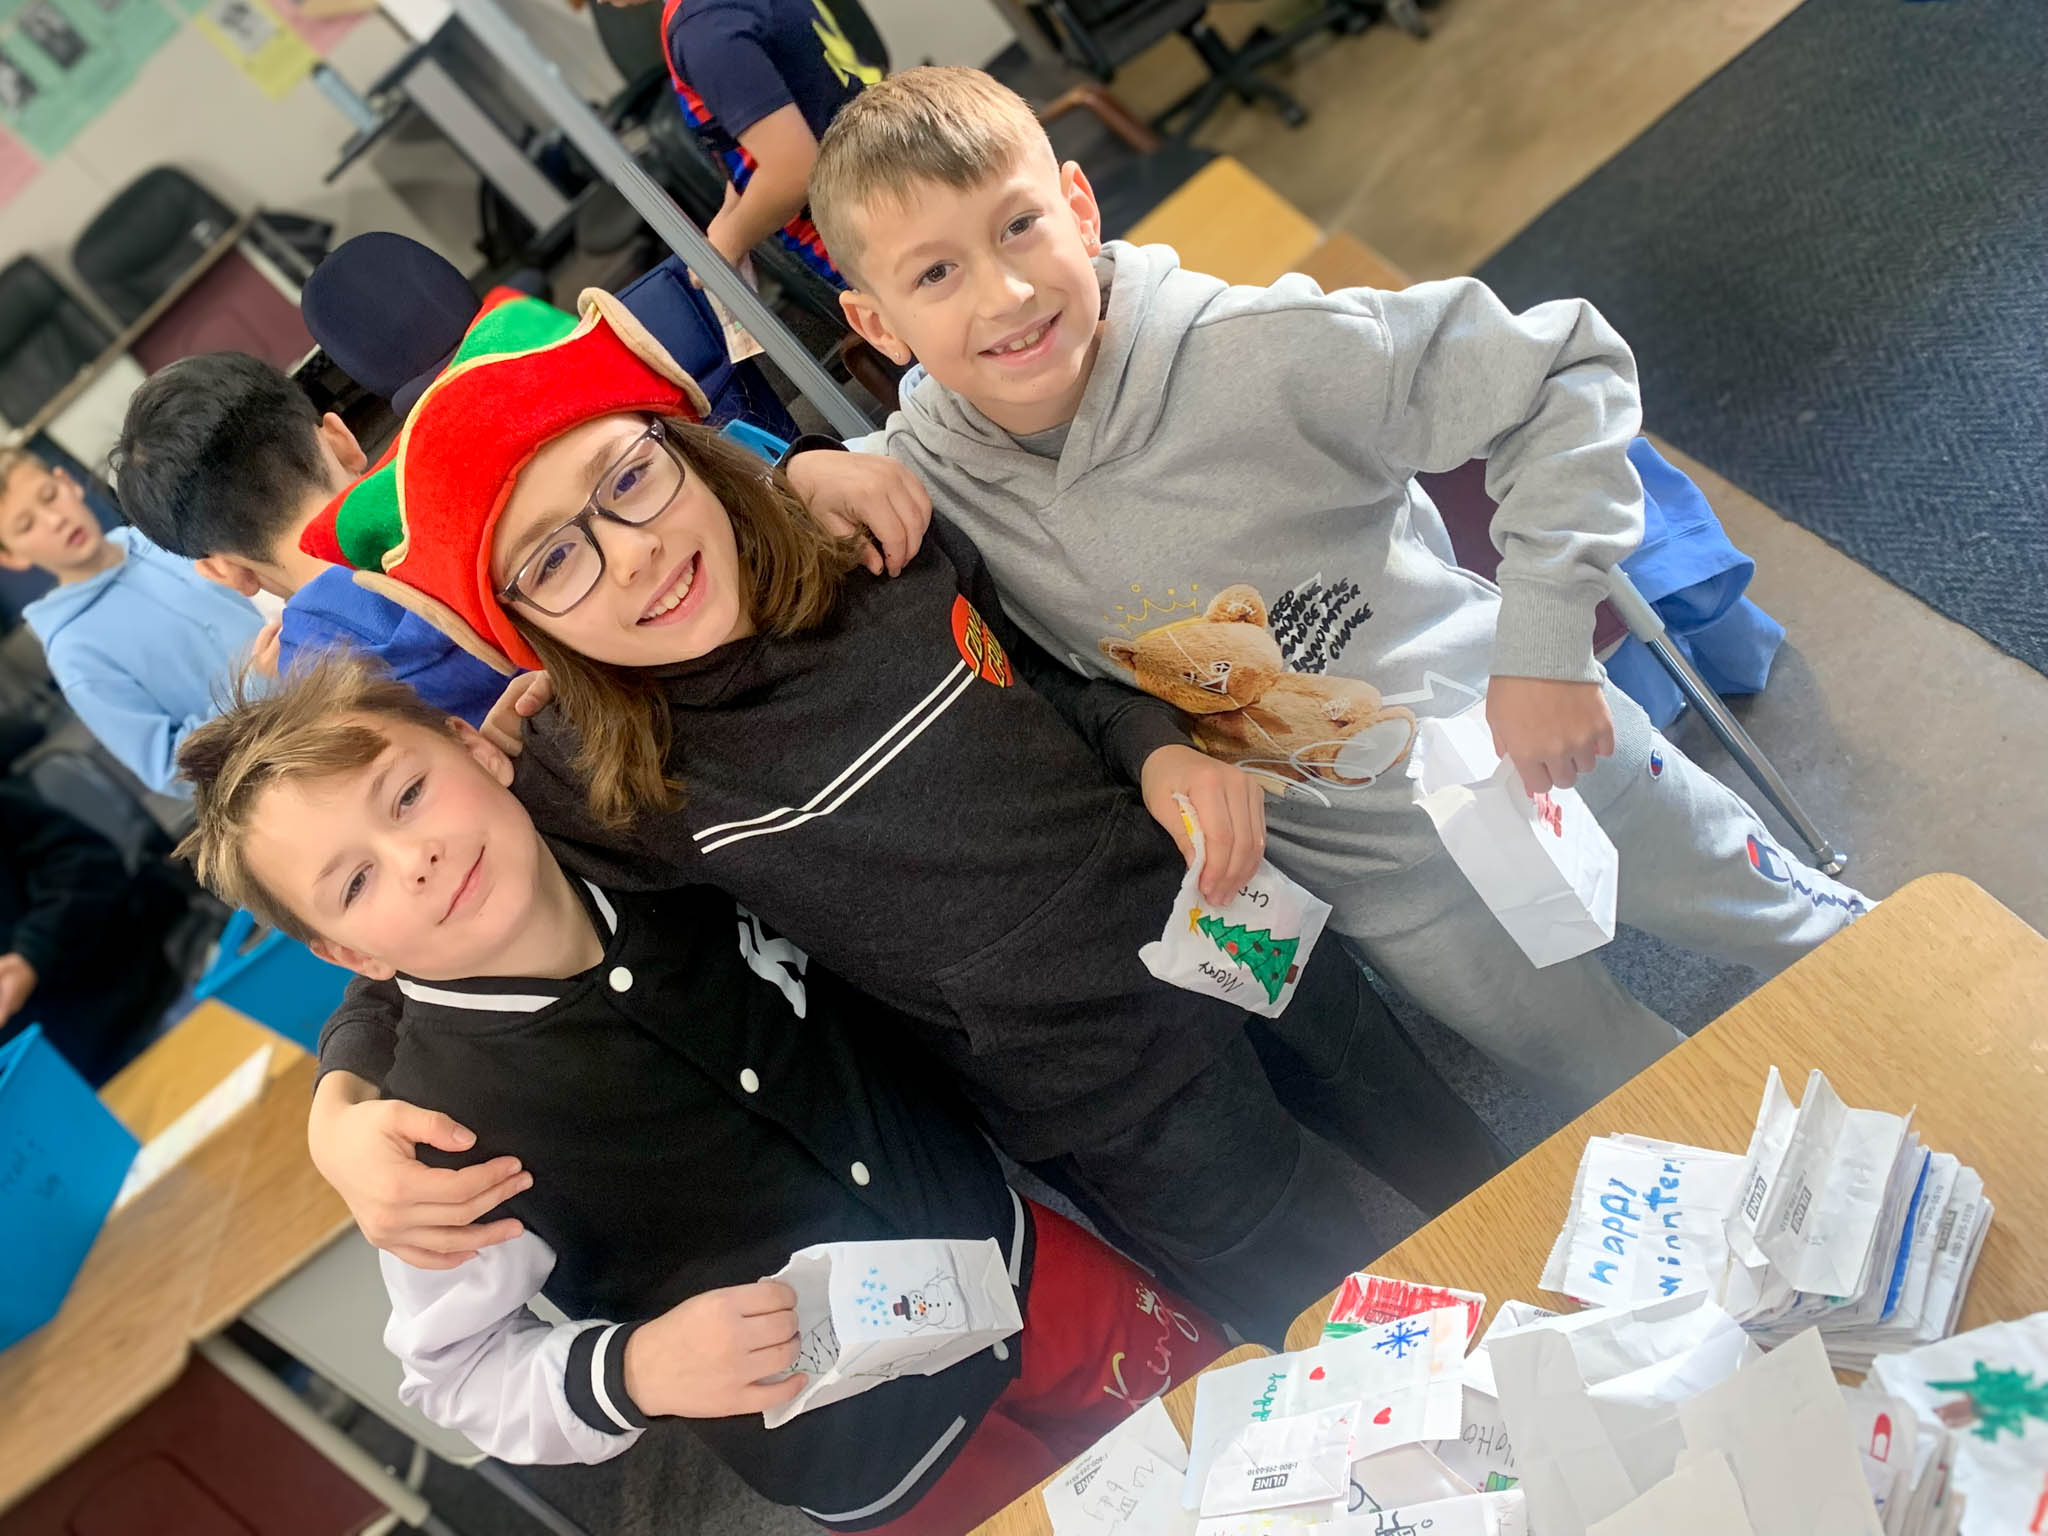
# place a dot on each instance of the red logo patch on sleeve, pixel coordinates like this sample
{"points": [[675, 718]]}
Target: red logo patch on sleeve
{"points": [[978, 648]]}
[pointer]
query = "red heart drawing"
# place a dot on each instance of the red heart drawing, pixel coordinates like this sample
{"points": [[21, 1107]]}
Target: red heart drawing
{"points": [[1385, 1415], [1316, 1374]]}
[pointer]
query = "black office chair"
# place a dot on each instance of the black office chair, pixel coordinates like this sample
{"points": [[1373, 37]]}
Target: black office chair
{"points": [[142, 242], [46, 337], [1101, 36]]}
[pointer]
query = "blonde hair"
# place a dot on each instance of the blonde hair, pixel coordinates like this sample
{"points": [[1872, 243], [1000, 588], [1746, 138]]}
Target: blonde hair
{"points": [[12, 459], [790, 575], [310, 726], [940, 123]]}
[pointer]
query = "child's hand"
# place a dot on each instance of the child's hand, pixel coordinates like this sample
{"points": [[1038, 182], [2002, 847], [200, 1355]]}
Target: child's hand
{"points": [[1229, 804], [849, 492], [265, 649], [707, 1357], [17, 981], [367, 1148], [524, 697], [1552, 731]]}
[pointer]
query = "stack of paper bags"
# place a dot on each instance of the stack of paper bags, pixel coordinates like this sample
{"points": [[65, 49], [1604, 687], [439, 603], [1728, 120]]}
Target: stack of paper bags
{"points": [[1834, 1218]]}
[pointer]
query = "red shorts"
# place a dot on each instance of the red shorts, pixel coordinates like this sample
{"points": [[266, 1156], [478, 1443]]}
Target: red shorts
{"points": [[1101, 1338]]}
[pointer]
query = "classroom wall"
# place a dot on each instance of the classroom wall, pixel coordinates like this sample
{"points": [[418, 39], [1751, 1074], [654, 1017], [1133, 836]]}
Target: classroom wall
{"points": [[939, 31], [193, 108]]}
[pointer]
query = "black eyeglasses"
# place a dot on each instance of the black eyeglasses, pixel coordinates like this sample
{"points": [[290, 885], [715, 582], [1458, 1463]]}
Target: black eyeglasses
{"points": [[569, 562]]}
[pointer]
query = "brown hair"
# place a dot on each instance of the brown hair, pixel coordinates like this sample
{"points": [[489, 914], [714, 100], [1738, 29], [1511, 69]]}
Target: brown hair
{"points": [[308, 727], [790, 572], [940, 123], [12, 459]]}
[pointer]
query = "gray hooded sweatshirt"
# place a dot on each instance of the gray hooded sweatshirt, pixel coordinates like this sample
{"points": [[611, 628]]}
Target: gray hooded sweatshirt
{"points": [[1231, 519]]}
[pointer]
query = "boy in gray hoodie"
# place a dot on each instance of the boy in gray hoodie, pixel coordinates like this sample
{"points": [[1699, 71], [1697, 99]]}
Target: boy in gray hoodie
{"points": [[1209, 492]]}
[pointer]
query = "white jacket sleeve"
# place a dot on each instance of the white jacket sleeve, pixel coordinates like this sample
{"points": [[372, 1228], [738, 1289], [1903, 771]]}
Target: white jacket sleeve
{"points": [[479, 1361]]}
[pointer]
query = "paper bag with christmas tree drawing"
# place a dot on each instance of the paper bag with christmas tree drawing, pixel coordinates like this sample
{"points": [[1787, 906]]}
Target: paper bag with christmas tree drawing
{"points": [[1250, 950]]}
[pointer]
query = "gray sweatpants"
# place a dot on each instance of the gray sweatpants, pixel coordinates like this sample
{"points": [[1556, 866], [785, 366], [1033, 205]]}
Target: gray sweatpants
{"points": [[1698, 868]]}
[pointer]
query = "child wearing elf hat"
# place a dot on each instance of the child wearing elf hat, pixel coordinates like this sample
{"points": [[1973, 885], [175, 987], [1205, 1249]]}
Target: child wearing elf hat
{"points": [[879, 769]]}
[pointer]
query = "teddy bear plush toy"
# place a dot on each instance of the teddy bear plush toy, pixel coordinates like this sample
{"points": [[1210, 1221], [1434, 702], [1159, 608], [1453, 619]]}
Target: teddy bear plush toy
{"points": [[1226, 669]]}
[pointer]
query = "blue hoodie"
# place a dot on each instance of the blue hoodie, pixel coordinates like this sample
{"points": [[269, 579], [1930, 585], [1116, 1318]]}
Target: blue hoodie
{"points": [[143, 653]]}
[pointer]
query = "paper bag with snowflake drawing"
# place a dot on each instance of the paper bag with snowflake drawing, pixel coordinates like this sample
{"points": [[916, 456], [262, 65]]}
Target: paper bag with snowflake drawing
{"points": [[870, 1312]]}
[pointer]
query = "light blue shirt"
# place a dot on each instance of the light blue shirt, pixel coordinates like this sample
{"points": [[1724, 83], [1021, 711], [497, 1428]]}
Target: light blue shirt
{"points": [[144, 652]]}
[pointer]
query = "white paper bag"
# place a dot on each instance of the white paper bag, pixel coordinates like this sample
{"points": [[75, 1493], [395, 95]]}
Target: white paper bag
{"points": [[1543, 866], [1250, 950], [870, 1312], [1301, 1459]]}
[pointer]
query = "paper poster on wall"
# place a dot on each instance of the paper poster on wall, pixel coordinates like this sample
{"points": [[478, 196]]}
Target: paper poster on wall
{"points": [[320, 32], [18, 167], [258, 40], [62, 62]]}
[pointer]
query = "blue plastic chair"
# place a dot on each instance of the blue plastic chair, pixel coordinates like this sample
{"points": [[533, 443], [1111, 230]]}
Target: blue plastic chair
{"points": [[275, 980]]}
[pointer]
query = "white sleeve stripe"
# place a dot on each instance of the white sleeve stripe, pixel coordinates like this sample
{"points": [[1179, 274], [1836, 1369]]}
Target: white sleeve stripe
{"points": [[597, 1391]]}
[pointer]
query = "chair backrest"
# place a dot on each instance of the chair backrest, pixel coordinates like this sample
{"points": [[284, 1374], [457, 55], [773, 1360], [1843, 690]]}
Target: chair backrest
{"points": [[631, 35], [46, 337], [154, 229], [383, 345]]}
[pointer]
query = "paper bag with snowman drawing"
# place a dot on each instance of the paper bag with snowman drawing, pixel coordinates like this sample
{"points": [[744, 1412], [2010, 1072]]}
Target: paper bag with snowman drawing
{"points": [[870, 1312], [1250, 950], [1542, 865]]}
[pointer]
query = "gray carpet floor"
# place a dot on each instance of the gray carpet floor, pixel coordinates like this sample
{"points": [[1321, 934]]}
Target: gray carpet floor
{"points": [[1832, 262]]}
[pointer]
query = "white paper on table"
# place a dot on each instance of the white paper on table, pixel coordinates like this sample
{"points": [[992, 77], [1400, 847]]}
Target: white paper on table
{"points": [[1405, 1375], [1542, 864], [1886, 1434], [1589, 1400], [1226, 1399], [1819, 1223], [1269, 1522], [1942, 1173], [1700, 1498], [1956, 1237], [1475, 1514], [871, 1312], [1991, 1387], [1646, 1223], [1302, 1458], [1126, 1484], [1408, 1474], [1782, 1425], [1510, 1316], [1484, 1453], [184, 1135]]}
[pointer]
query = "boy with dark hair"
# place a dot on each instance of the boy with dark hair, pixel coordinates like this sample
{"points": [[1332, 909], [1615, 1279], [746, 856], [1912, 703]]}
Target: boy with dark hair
{"points": [[138, 643], [223, 459], [696, 1102]]}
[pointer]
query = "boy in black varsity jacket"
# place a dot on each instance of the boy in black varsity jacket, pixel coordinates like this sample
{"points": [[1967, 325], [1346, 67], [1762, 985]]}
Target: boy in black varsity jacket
{"points": [[695, 1108]]}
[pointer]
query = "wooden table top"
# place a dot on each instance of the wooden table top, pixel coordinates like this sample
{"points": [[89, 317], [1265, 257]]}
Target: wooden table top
{"points": [[1026, 1516], [1937, 1000], [180, 1260]]}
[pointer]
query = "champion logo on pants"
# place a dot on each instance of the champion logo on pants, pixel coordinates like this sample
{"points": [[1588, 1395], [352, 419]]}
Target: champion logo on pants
{"points": [[1775, 867]]}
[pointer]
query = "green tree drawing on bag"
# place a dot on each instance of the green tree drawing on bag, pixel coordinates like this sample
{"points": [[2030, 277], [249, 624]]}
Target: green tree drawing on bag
{"points": [[1270, 960], [1995, 1400]]}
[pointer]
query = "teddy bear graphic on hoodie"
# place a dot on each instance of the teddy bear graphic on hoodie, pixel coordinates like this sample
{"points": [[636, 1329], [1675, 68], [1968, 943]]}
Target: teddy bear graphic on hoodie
{"points": [[1253, 679]]}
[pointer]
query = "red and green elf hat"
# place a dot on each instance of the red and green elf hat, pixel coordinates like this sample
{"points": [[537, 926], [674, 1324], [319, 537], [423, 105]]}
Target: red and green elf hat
{"points": [[418, 526]]}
